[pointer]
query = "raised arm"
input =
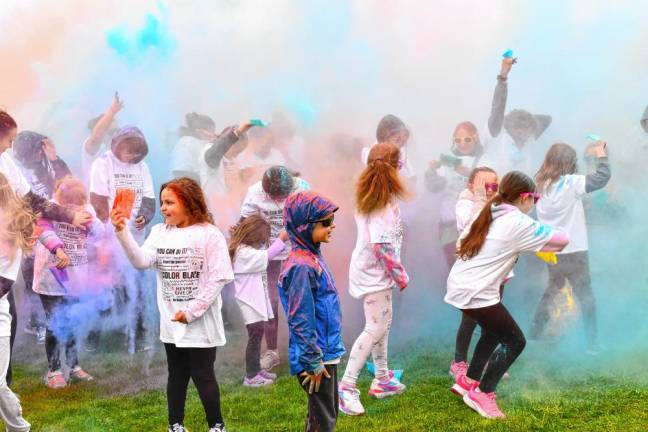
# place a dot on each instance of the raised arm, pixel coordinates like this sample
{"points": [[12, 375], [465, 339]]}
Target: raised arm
{"points": [[500, 95], [93, 143], [599, 178]]}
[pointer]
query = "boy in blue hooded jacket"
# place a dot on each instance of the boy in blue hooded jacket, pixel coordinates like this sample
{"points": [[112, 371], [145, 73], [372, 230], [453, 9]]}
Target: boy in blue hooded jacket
{"points": [[312, 307]]}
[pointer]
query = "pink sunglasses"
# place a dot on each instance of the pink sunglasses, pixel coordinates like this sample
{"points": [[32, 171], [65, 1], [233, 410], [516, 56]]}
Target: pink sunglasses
{"points": [[535, 195]]}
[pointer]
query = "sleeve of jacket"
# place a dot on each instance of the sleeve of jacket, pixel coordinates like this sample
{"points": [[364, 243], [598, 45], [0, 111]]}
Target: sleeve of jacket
{"points": [[48, 209], [217, 151], [300, 284]]}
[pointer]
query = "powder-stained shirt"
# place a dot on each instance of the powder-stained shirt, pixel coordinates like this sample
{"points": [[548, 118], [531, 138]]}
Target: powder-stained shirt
{"points": [[192, 265], [366, 273]]}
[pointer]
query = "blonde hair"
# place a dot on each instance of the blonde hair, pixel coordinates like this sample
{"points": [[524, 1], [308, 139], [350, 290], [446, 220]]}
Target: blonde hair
{"points": [[17, 224]]}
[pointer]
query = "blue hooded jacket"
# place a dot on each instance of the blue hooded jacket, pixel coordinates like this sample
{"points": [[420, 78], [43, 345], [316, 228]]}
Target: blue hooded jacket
{"points": [[308, 294]]}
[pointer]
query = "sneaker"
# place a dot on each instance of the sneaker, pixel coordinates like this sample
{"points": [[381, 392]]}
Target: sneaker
{"points": [[257, 381], [268, 375], [218, 428], [381, 390], [350, 400], [55, 380], [463, 385], [177, 427], [484, 403], [269, 360], [40, 335], [457, 369], [80, 375]]}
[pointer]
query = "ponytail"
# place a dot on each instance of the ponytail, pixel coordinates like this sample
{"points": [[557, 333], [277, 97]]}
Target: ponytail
{"points": [[379, 183]]}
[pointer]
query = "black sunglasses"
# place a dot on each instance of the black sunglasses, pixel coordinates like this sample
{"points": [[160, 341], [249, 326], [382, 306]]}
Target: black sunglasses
{"points": [[326, 222]]}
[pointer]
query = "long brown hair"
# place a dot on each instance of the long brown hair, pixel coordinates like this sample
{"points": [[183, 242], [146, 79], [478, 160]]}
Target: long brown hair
{"points": [[192, 198], [253, 231], [561, 159], [512, 185], [379, 182], [17, 225]]}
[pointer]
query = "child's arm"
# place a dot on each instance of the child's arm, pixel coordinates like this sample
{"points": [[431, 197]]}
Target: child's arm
{"points": [[300, 314], [147, 209], [140, 257], [99, 189], [598, 179], [5, 285], [217, 267], [277, 246], [558, 241], [500, 95], [48, 237], [53, 211], [386, 255], [93, 143]]}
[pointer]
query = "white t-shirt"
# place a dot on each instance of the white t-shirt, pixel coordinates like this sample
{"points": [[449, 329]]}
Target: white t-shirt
{"points": [[258, 202], [455, 183], [561, 206], [502, 155], [475, 283], [87, 160], [366, 274], [187, 153], [15, 177], [108, 174], [75, 245], [192, 267], [251, 284]]}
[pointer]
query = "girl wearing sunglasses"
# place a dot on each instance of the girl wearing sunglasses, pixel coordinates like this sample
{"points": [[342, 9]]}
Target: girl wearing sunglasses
{"points": [[375, 270], [487, 253], [562, 206], [449, 174]]}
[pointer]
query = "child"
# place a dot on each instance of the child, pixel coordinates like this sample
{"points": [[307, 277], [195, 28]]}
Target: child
{"points": [[123, 167], [449, 174], [392, 130], [102, 129], [562, 193], [35, 155], [192, 265], [312, 306], [194, 138], [267, 198], [61, 279], [487, 253], [482, 185], [375, 270], [16, 235], [250, 258]]}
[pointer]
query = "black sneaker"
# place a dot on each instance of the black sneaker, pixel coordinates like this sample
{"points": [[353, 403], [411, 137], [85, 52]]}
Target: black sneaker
{"points": [[218, 428], [177, 427]]}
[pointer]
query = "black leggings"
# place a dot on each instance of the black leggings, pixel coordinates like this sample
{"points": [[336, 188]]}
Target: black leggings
{"points": [[253, 349], [197, 364], [464, 334], [60, 331], [272, 326], [501, 342], [323, 405], [572, 267]]}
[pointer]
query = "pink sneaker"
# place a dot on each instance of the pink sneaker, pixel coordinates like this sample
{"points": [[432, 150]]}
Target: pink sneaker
{"points": [[458, 368], [382, 389], [484, 403], [55, 380], [463, 385], [80, 375]]}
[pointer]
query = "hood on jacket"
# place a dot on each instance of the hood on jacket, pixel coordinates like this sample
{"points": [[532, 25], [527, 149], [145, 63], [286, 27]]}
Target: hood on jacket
{"points": [[28, 149], [132, 137], [498, 210], [301, 211], [644, 120]]}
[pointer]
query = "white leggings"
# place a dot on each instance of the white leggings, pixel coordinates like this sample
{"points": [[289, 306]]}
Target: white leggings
{"points": [[374, 337], [10, 410]]}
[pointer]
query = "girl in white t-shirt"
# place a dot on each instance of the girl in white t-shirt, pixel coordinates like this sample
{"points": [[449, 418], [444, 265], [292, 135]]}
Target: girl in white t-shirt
{"points": [[375, 270], [192, 266], [482, 185], [561, 206], [62, 281], [487, 252], [250, 256]]}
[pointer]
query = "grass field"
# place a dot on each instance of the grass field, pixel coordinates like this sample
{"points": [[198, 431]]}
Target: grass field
{"points": [[541, 396]]}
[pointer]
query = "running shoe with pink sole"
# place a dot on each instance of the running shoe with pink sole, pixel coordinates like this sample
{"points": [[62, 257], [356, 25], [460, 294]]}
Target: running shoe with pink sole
{"points": [[457, 369], [382, 389], [484, 403], [463, 385]]}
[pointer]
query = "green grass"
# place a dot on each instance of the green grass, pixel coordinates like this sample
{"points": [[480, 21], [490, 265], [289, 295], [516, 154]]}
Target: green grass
{"points": [[541, 396]]}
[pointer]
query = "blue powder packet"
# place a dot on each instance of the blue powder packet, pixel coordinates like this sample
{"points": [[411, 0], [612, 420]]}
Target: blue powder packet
{"points": [[258, 122], [593, 137], [508, 53], [398, 373]]}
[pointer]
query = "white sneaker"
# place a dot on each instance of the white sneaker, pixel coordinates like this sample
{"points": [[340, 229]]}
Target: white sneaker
{"points": [[257, 381], [218, 428], [350, 400], [269, 360], [176, 427]]}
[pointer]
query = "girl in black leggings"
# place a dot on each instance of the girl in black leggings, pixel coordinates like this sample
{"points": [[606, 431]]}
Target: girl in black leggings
{"points": [[486, 255]]}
